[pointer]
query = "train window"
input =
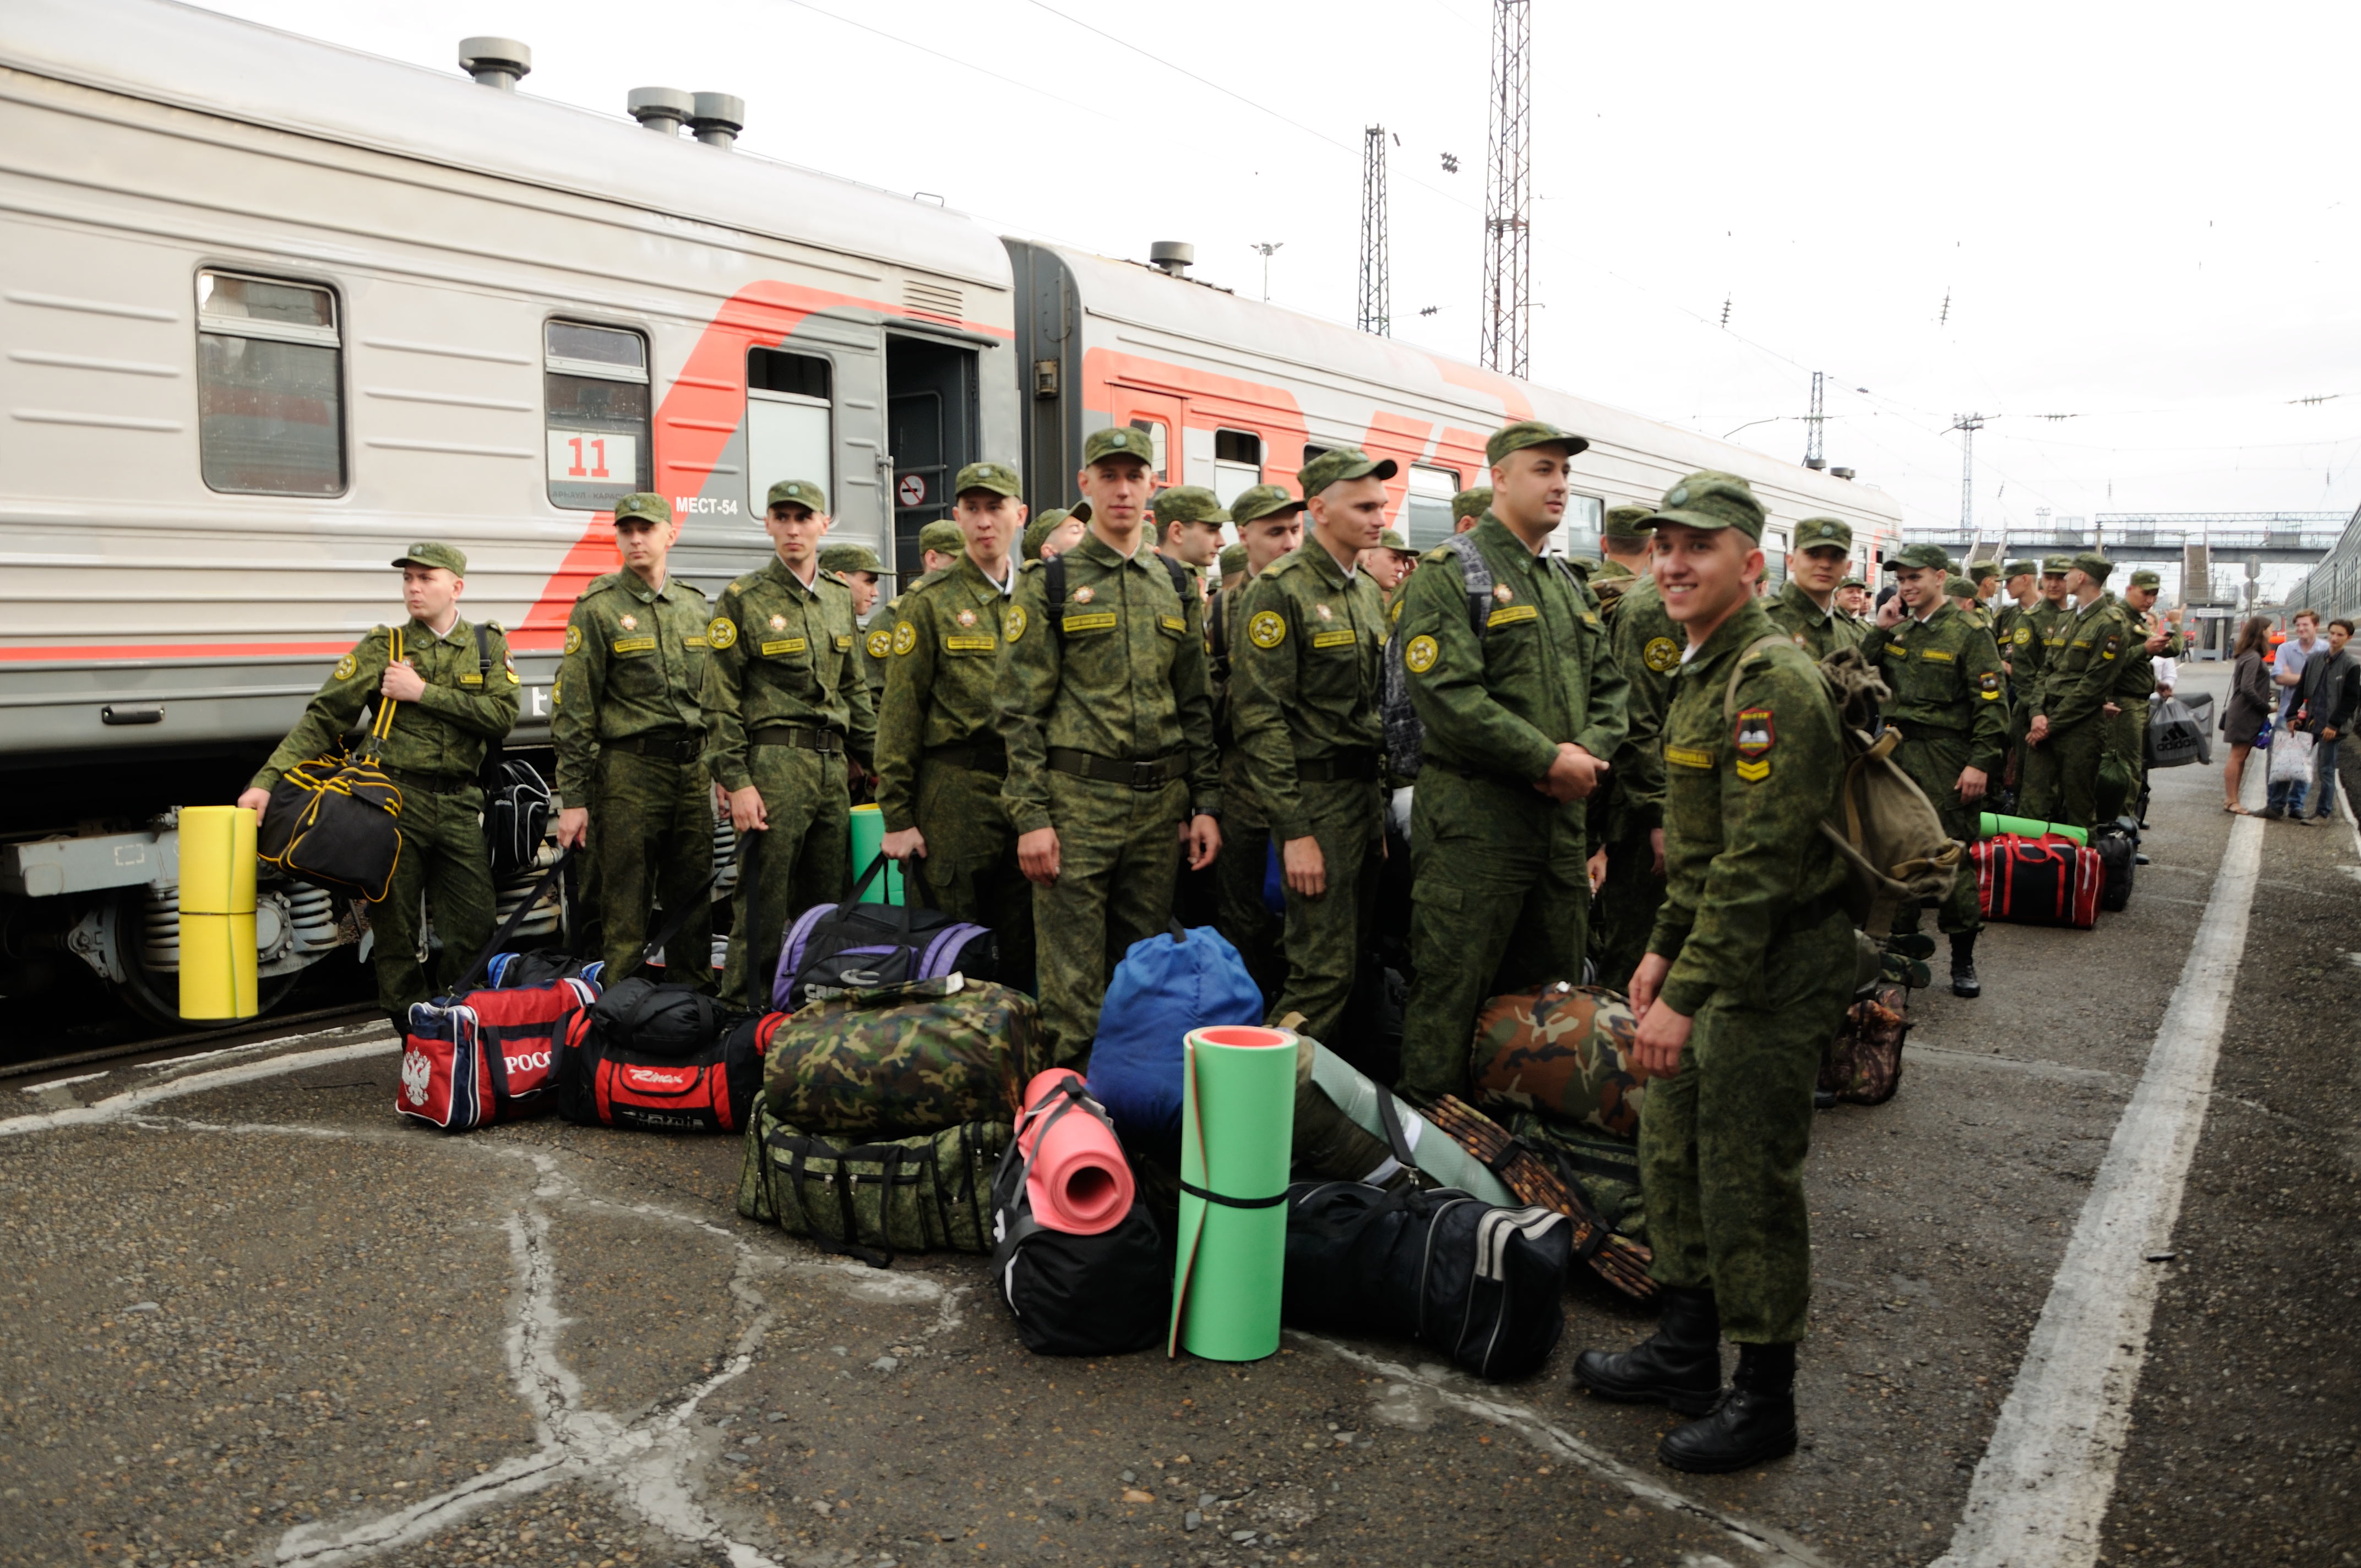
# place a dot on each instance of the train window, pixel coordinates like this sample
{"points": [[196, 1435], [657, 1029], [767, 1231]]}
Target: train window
{"points": [[788, 413], [1156, 440], [596, 383], [1430, 490], [1237, 462], [269, 387], [1585, 519]]}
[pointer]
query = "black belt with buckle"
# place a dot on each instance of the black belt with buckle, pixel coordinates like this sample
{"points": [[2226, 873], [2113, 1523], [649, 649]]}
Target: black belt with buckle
{"points": [[1344, 767], [798, 735], [671, 747], [1154, 774], [428, 784], [980, 759]]}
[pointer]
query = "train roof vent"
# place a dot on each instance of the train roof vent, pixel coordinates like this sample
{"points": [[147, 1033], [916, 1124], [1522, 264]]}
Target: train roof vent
{"points": [[661, 109], [1840, 473], [496, 62], [1172, 256], [718, 118], [933, 302]]}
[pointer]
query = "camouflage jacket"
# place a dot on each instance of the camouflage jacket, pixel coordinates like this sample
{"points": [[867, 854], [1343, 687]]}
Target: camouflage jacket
{"points": [[781, 653], [1541, 672], [2080, 679], [634, 665], [944, 646], [1816, 631], [1744, 799], [1305, 676], [1609, 581], [443, 733], [1945, 674], [1118, 671], [1647, 645]]}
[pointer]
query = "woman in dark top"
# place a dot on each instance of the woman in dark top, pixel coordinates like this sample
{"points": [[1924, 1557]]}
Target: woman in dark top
{"points": [[2250, 704]]}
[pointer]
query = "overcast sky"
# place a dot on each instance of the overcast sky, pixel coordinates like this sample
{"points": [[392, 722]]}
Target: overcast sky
{"points": [[2140, 216]]}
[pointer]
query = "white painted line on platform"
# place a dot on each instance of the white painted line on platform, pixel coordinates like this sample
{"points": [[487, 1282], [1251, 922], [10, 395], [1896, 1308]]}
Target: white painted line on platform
{"points": [[2042, 1491], [117, 1106], [61, 1082]]}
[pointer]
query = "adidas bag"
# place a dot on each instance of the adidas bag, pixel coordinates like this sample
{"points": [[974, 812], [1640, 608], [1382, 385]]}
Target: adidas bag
{"points": [[872, 1200], [831, 949], [605, 1081]]}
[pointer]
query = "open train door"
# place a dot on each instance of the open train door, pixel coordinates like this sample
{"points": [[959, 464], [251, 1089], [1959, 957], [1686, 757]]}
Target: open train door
{"points": [[931, 430]]}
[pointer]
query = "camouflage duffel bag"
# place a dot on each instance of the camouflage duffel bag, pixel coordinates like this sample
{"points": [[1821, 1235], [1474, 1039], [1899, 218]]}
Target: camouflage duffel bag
{"points": [[1564, 1049], [870, 1201], [1603, 1168], [907, 1058]]}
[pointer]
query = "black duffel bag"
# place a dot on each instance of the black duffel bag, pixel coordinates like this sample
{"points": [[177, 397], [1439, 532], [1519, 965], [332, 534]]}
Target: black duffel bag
{"points": [[603, 1082], [1101, 1295], [1482, 1284], [831, 949]]}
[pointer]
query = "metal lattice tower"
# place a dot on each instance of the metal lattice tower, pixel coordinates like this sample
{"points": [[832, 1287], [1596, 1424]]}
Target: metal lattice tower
{"points": [[1507, 193], [1375, 309], [1812, 457], [1966, 425]]}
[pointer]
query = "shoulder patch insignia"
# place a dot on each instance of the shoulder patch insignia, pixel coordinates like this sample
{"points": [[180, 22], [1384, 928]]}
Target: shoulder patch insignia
{"points": [[1757, 732], [905, 636], [1661, 654], [1419, 655], [1989, 685], [1012, 623], [1752, 772], [2022, 635], [508, 662], [1267, 629], [880, 644], [722, 632], [346, 666], [573, 639]]}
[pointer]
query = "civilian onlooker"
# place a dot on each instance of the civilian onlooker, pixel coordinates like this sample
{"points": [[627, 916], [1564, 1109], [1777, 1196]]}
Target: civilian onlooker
{"points": [[2249, 705], [2286, 797], [2330, 695]]}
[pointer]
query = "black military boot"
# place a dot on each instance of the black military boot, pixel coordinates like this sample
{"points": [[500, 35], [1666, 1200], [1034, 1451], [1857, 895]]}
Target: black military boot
{"points": [[1754, 1422], [1963, 965], [1679, 1364]]}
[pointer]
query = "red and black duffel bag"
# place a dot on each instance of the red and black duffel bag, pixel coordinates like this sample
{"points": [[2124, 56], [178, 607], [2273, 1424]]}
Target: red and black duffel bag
{"points": [[2049, 880], [610, 1082]]}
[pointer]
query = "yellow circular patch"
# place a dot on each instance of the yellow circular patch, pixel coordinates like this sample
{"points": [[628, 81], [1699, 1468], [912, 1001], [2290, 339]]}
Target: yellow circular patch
{"points": [[881, 642], [1661, 654], [2021, 636], [346, 667], [1011, 625], [574, 640], [1418, 656], [722, 632], [1267, 629], [905, 636]]}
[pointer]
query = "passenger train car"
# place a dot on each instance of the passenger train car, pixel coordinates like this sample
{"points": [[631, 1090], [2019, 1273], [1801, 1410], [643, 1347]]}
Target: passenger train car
{"points": [[271, 310]]}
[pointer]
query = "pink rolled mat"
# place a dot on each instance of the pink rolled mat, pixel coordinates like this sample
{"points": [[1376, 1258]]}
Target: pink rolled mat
{"points": [[1079, 1181]]}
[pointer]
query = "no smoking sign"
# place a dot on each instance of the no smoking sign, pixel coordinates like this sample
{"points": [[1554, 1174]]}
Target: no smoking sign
{"points": [[910, 491]]}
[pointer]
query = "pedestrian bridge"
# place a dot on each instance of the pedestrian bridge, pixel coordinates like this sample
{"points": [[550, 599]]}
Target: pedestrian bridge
{"points": [[2269, 538]]}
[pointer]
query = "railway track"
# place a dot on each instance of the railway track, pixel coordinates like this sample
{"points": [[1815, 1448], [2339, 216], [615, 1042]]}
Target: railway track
{"points": [[137, 1052]]}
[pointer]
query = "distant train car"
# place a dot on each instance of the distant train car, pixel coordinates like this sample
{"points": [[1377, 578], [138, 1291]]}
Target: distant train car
{"points": [[272, 310]]}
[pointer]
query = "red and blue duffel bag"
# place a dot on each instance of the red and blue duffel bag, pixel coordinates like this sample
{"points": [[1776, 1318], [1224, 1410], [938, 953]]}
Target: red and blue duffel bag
{"points": [[2049, 880]]}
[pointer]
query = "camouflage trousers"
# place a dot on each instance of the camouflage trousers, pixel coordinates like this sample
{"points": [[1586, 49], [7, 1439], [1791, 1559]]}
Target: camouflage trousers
{"points": [[971, 865], [2062, 773], [800, 861], [1722, 1141], [1624, 914], [1115, 870], [652, 840], [1498, 900], [445, 858], [1933, 759], [1239, 913], [1328, 938]]}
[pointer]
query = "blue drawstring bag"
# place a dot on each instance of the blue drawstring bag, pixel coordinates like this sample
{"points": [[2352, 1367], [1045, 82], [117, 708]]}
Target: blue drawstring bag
{"points": [[1164, 987]]}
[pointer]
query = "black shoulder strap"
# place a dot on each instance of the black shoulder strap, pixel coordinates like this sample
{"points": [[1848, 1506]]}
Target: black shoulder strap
{"points": [[676, 919], [1477, 573], [1054, 570], [508, 928], [487, 776], [1180, 576]]}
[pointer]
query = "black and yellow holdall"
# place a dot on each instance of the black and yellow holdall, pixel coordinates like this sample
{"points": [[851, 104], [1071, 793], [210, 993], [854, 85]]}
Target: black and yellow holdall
{"points": [[334, 821]]}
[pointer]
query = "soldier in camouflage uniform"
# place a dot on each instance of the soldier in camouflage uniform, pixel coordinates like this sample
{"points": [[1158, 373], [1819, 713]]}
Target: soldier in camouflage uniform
{"points": [[1852, 599], [628, 724], [1303, 706], [1110, 737], [2020, 660], [1521, 716], [1805, 608], [2135, 684], [939, 757], [1747, 975], [1948, 689], [1189, 529], [2071, 728], [1469, 507], [454, 692], [862, 571], [784, 705], [1233, 561], [1647, 648], [1053, 534], [1387, 562]]}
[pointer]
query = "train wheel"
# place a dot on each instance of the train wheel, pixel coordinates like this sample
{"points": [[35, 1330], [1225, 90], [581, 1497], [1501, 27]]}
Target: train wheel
{"points": [[154, 993]]}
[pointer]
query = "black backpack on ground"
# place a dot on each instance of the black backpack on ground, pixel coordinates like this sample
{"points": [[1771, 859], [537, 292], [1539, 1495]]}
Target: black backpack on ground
{"points": [[1101, 1295], [1480, 1283], [2118, 843], [516, 815], [831, 949]]}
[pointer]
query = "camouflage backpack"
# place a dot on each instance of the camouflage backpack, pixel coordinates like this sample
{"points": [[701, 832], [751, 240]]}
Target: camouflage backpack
{"points": [[870, 1201], [899, 1060], [1564, 1050]]}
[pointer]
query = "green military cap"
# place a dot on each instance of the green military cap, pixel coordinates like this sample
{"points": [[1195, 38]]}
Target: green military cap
{"points": [[1978, 571], [1118, 441], [1040, 528], [1922, 558], [1471, 503], [1853, 583], [646, 504], [427, 553], [1341, 463], [797, 493], [1392, 539], [1187, 503], [850, 558], [1959, 587], [1814, 533], [1234, 559], [1622, 522], [943, 537], [2057, 565], [2144, 578], [2093, 565], [2020, 568], [1532, 432], [1262, 502], [1712, 501], [997, 477]]}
